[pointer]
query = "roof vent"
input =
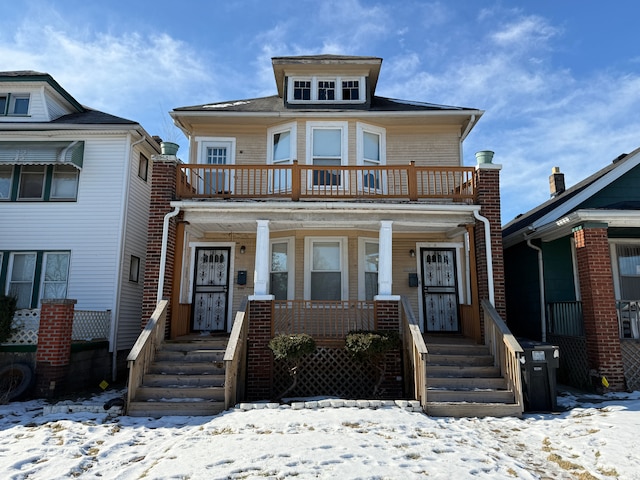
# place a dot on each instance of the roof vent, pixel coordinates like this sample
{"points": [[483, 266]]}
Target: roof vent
{"points": [[556, 182]]}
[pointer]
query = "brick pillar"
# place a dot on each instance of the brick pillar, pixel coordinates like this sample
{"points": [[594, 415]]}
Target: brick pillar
{"points": [[388, 318], [488, 197], [259, 357], [598, 303], [53, 353], [163, 191]]}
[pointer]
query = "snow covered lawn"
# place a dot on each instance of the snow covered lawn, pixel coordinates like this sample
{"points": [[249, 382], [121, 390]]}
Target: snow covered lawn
{"points": [[597, 437]]}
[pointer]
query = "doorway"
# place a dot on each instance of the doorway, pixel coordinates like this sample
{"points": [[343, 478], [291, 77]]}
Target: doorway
{"points": [[211, 289]]}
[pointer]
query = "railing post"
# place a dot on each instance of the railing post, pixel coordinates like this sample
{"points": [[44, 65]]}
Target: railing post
{"points": [[295, 181], [412, 181]]}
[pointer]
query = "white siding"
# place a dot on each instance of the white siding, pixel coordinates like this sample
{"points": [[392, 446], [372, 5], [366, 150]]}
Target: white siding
{"points": [[56, 110]]}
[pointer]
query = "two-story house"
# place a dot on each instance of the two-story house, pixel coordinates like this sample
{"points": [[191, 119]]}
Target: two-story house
{"points": [[74, 200], [323, 209]]}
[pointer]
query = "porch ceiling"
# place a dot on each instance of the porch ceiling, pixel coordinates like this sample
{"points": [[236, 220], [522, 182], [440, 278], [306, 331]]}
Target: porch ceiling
{"points": [[407, 218]]}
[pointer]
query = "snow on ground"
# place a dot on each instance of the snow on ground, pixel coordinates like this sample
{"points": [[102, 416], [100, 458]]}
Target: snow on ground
{"points": [[596, 437]]}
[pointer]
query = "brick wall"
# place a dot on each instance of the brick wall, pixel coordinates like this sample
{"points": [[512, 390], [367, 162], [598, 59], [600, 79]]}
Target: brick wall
{"points": [[388, 318], [259, 357], [163, 190], [53, 353], [598, 303]]}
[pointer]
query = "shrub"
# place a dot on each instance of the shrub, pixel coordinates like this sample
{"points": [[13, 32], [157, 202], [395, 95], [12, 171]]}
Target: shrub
{"points": [[7, 311], [292, 347], [367, 345]]}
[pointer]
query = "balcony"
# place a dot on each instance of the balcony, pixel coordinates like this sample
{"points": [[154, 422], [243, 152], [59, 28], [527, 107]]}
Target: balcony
{"points": [[297, 182]]}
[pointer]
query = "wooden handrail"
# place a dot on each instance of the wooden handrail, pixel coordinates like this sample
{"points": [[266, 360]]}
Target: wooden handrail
{"points": [[235, 359], [505, 349], [143, 352], [295, 182], [415, 354]]}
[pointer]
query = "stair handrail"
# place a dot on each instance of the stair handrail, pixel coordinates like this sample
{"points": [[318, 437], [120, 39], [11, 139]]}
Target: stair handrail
{"points": [[505, 349], [415, 354], [144, 350], [235, 358]]}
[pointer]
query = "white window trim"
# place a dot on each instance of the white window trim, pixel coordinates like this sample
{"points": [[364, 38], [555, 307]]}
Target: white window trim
{"points": [[314, 79], [615, 269], [10, 273], [287, 127], [361, 128], [291, 253], [362, 293], [43, 268], [20, 179], [344, 151], [205, 142], [344, 267]]}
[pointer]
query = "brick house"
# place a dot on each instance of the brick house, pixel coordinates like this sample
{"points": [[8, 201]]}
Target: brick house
{"points": [[572, 268], [322, 209]]}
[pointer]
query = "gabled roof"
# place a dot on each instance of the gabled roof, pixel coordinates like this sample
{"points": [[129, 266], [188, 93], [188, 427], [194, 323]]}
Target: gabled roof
{"points": [[569, 200]]}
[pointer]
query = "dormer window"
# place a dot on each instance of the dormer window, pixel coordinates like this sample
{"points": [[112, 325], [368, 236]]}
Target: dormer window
{"points": [[326, 90], [14, 104]]}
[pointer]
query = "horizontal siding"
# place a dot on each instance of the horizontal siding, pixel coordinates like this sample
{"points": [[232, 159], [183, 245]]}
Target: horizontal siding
{"points": [[37, 111], [56, 110]]}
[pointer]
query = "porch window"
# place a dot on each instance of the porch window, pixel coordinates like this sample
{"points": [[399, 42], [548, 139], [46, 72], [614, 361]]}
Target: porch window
{"points": [[326, 272], [216, 151], [629, 268], [281, 151], [6, 177], [327, 147], [22, 269], [368, 271], [31, 182], [281, 275], [56, 274], [371, 152], [64, 183]]}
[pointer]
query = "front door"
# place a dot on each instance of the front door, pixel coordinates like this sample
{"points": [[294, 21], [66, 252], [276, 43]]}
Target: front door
{"points": [[439, 290], [211, 289]]}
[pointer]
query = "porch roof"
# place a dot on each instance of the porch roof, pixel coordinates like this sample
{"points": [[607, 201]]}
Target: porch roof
{"points": [[416, 217]]}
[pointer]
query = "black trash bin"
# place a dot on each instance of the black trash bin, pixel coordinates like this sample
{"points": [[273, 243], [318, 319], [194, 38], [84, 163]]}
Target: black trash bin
{"points": [[541, 360]]}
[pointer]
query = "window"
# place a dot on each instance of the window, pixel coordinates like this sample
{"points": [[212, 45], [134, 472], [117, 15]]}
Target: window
{"points": [[64, 183], [371, 151], [134, 269], [22, 268], [56, 274], [327, 146], [368, 272], [143, 167], [281, 284], [216, 152], [31, 182], [323, 89], [6, 178], [14, 104], [326, 271], [629, 270], [281, 151]]}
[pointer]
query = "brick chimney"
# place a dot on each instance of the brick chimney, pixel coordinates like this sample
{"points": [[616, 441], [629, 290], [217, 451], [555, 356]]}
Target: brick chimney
{"points": [[556, 182]]}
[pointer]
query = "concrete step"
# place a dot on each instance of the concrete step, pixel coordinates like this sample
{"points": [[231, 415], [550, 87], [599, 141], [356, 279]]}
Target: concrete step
{"points": [[459, 410], [174, 380], [187, 368], [463, 383], [198, 355], [474, 396], [466, 371], [145, 393], [448, 359], [164, 408]]}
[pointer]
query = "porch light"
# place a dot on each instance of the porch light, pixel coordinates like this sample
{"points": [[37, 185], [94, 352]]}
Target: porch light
{"points": [[243, 249], [412, 253]]}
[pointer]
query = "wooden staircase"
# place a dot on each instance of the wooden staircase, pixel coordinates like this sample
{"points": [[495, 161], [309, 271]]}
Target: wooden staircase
{"points": [[462, 381], [186, 378]]}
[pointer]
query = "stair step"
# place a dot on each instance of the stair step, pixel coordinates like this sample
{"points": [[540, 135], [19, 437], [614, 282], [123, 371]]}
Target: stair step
{"points": [[175, 380], [473, 360], [452, 349], [466, 383], [466, 371], [161, 409], [198, 355], [187, 368], [470, 409], [476, 396], [195, 345], [183, 392]]}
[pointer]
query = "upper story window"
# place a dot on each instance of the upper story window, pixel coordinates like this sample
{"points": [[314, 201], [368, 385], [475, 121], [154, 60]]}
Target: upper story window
{"points": [[143, 167], [14, 104], [326, 89]]}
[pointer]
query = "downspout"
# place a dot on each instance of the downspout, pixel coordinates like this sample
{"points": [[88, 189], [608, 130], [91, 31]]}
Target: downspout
{"points": [[543, 322], [116, 311], [487, 239], [163, 252]]}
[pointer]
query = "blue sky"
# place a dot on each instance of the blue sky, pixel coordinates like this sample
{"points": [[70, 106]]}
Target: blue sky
{"points": [[559, 80]]}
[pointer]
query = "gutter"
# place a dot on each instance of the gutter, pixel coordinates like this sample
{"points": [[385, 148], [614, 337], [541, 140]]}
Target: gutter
{"points": [[163, 252], [543, 322], [487, 239]]}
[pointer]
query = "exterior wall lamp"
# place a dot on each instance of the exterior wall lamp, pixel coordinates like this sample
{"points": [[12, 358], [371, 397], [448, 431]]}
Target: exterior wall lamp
{"points": [[243, 249], [412, 253]]}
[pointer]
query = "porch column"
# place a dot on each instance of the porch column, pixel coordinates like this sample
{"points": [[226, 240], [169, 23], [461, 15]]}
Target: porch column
{"points": [[598, 302], [261, 272], [385, 269]]}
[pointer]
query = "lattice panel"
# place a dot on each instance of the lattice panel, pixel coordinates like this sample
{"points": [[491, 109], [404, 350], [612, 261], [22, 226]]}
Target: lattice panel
{"points": [[631, 362], [328, 372], [574, 365], [26, 322], [91, 325]]}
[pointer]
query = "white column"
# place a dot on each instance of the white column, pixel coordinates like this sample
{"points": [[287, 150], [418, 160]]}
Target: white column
{"points": [[385, 269], [261, 272]]}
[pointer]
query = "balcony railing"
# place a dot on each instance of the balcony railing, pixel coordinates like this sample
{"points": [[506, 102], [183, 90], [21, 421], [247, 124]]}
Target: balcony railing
{"points": [[296, 182]]}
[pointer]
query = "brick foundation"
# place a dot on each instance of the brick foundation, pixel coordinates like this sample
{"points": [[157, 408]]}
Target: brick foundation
{"points": [[388, 318], [598, 303], [259, 357]]}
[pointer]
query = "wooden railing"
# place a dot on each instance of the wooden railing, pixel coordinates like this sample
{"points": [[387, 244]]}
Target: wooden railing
{"points": [[565, 318], [505, 349], [235, 359], [325, 321], [143, 352], [415, 355], [296, 182]]}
